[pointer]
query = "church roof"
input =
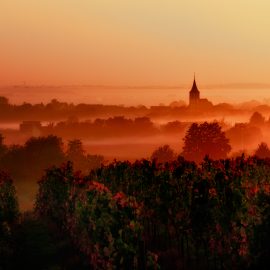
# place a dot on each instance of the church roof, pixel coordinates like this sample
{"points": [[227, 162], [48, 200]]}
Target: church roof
{"points": [[194, 87]]}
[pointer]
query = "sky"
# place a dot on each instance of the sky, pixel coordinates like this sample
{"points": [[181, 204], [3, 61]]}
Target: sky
{"points": [[135, 42]]}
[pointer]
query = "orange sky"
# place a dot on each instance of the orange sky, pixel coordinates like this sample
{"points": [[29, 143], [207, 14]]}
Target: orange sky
{"points": [[134, 42]]}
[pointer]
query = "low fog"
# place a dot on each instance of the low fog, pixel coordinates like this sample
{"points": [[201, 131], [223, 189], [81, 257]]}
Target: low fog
{"points": [[109, 132]]}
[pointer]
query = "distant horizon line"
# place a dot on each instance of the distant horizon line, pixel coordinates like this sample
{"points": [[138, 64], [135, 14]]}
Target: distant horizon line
{"points": [[112, 86]]}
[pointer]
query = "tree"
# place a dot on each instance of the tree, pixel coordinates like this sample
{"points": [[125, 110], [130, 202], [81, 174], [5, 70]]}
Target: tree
{"points": [[27, 162], [242, 135], [80, 159], [3, 101], [163, 154], [205, 139], [3, 148], [76, 154], [75, 149], [263, 151], [257, 119], [44, 151], [173, 127]]}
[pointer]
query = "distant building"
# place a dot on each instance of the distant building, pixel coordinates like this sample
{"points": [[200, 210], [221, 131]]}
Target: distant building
{"points": [[194, 94], [32, 128], [195, 102]]}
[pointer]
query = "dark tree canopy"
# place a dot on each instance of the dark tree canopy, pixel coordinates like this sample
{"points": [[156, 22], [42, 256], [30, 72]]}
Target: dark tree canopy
{"points": [[28, 161], [3, 101], [205, 139], [263, 151], [257, 119], [75, 149], [3, 148], [242, 134], [80, 159], [163, 154]]}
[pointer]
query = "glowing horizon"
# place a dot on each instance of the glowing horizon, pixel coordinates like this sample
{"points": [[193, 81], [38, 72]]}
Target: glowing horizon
{"points": [[119, 42], [148, 96]]}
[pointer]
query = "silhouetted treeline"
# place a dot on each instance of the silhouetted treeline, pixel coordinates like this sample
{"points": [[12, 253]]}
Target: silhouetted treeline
{"points": [[112, 127], [56, 110], [246, 136], [27, 162]]}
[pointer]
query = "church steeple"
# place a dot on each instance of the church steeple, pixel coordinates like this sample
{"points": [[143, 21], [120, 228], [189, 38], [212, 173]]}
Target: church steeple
{"points": [[194, 86], [194, 94]]}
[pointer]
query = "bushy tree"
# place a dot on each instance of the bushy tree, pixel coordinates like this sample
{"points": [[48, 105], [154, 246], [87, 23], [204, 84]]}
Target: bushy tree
{"points": [[3, 147], [163, 154], [80, 159], [243, 134], [4, 101], [205, 139], [257, 119], [29, 160], [49, 150], [9, 213], [263, 151], [75, 150]]}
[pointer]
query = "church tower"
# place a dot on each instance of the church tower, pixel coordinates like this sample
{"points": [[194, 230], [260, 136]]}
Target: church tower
{"points": [[194, 94]]}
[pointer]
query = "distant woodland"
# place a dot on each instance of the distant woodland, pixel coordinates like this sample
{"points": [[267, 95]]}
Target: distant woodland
{"points": [[56, 110], [96, 122]]}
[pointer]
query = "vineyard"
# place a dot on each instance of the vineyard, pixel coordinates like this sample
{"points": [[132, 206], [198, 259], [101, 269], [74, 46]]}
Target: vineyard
{"points": [[145, 215]]}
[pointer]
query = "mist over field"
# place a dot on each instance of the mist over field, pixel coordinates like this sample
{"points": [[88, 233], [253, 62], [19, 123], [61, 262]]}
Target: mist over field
{"points": [[121, 132], [165, 123], [145, 95]]}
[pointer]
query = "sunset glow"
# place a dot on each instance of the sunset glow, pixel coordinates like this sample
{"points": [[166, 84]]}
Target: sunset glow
{"points": [[134, 134], [137, 43]]}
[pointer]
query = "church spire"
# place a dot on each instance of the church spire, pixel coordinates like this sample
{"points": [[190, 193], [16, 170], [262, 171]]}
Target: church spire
{"points": [[194, 86], [194, 94]]}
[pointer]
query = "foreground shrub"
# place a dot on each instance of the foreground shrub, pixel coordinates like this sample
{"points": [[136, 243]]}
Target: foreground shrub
{"points": [[8, 216]]}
